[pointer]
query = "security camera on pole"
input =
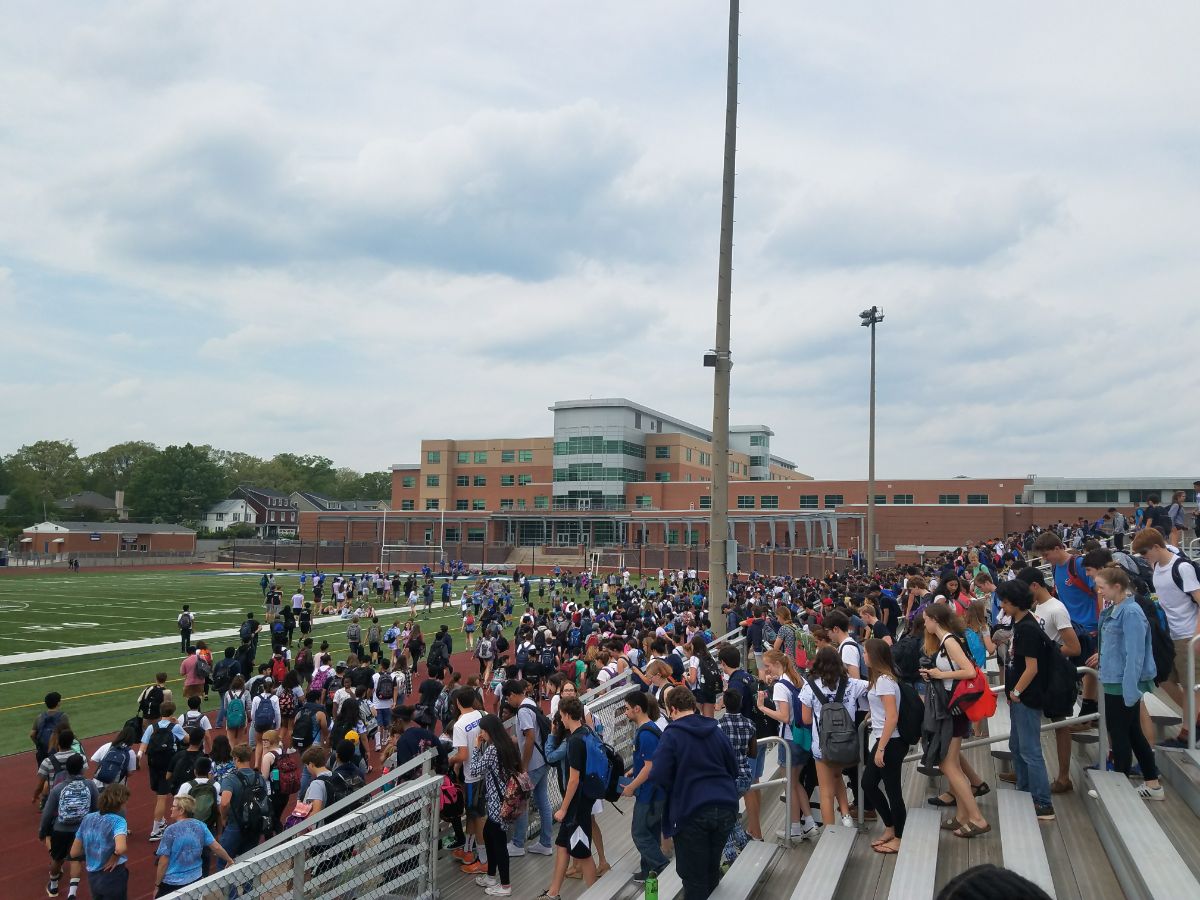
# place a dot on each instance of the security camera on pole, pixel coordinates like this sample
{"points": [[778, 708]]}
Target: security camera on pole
{"points": [[870, 318]]}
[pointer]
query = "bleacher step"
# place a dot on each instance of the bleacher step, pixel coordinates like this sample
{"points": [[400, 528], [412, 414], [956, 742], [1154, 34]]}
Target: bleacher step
{"points": [[1181, 770], [823, 871], [916, 864], [1146, 863], [1021, 839], [614, 879], [746, 872]]}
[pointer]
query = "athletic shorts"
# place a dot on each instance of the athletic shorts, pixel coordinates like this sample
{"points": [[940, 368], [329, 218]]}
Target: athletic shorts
{"points": [[160, 784], [476, 805], [373, 646], [578, 850], [60, 844]]}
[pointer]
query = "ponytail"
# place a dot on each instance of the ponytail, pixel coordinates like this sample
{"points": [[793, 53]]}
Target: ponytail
{"points": [[775, 658]]}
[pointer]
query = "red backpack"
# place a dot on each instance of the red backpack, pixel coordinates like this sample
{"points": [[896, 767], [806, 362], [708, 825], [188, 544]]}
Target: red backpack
{"points": [[287, 769], [278, 670]]}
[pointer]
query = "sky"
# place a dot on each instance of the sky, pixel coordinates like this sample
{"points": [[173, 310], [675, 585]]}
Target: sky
{"points": [[306, 227]]}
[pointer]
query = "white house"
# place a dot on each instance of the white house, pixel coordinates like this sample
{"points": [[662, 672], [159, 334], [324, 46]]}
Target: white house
{"points": [[229, 512]]}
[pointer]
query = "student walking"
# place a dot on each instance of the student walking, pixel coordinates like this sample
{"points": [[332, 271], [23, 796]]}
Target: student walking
{"points": [[649, 800], [885, 749], [495, 762], [101, 841], [832, 692], [181, 850], [780, 672], [66, 807]]}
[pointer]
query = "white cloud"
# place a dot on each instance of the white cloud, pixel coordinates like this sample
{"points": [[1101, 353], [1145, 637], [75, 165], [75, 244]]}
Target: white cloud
{"points": [[262, 229]]}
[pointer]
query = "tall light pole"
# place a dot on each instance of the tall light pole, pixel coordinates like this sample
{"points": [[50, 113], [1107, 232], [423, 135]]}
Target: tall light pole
{"points": [[719, 360], [870, 318]]}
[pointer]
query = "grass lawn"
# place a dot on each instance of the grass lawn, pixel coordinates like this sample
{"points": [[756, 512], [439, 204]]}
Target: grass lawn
{"points": [[74, 613]]}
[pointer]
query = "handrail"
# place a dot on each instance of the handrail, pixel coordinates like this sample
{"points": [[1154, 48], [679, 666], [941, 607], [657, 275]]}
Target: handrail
{"points": [[626, 676], [1192, 686], [423, 761], [787, 785]]}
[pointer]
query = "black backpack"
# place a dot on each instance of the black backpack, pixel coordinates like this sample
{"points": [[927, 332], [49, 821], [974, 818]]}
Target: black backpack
{"points": [[337, 788], [385, 689], [1161, 644], [304, 726], [247, 630], [1061, 684], [252, 814], [223, 674], [150, 702], [911, 714], [437, 654], [162, 747]]}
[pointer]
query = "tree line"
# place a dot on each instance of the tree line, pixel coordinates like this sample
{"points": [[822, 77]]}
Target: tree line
{"points": [[173, 484]]}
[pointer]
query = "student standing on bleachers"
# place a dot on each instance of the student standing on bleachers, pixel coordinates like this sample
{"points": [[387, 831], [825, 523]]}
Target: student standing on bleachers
{"points": [[885, 749]]}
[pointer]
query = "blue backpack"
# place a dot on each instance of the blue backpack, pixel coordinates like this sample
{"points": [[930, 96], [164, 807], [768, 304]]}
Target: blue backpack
{"points": [[602, 771], [801, 733]]}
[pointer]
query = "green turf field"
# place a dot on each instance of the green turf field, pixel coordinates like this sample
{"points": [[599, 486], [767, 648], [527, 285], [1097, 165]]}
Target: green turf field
{"points": [[72, 614]]}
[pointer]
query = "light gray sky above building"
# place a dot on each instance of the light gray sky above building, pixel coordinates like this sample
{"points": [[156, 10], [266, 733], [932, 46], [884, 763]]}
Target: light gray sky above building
{"points": [[308, 227]]}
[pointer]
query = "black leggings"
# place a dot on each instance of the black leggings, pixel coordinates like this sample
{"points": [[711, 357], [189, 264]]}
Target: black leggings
{"points": [[891, 807], [495, 840], [1125, 734]]}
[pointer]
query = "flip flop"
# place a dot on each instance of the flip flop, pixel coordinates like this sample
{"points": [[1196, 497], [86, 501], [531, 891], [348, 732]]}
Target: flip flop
{"points": [[885, 850], [940, 803]]}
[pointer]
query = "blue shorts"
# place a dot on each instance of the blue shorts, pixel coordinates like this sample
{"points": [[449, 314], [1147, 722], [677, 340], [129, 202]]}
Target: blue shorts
{"points": [[758, 765], [800, 758]]}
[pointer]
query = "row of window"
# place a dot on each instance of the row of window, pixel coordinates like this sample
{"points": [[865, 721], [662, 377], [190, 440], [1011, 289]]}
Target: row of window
{"points": [[541, 501], [480, 457], [1111, 496], [594, 444], [474, 535], [758, 440], [597, 472], [759, 461]]}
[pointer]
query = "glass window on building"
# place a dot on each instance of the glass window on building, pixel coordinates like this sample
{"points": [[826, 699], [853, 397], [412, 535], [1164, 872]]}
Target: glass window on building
{"points": [[524, 479], [463, 457], [643, 501], [462, 504], [521, 503], [478, 505], [507, 480], [833, 500], [673, 536], [1060, 496], [506, 503], [406, 505], [758, 461], [745, 501], [902, 499], [541, 501], [507, 456], [480, 457], [524, 456], [687, 453], [408, 481], [977, 499], [431, 504], [453, 535], [476, 535], [706, 501], [662, 476], [462, 480], [433, 456], [1101, 496], [767, 501], [948, 499], [808, 501], [662, 452], [881, 499], [479, 481], [433, 480], [758, 440]]}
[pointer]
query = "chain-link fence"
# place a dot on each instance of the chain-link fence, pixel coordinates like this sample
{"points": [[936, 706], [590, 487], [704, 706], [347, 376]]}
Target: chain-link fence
{"points": [[387, 848]]}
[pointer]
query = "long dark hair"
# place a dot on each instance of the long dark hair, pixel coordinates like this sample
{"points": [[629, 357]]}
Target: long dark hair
{"points": [[506, 748], [828, 668], [347, 714]]}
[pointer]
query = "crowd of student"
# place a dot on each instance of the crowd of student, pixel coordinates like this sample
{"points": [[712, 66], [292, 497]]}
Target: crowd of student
{"points": [[902, 651]]}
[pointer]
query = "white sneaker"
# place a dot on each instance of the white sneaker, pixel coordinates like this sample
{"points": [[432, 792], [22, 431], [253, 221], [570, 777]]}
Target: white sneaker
{"points": [[847, 822], [810, 832], [514, 851], [499, 890], [1149, 793], [540, 850], [486, 880]]}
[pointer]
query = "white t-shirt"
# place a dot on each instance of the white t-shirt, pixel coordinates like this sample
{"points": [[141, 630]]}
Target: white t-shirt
{"points": [[265, 698], [465, 730], [390, 701], [849, 653], [1053, 617], [130, 766], [297, 601], [1181, 610], [884, 684], [781, 693], [186, 788], [855, 697], [200, 722]]}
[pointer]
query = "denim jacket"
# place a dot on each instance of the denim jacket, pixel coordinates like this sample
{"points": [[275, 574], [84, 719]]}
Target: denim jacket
{"points": [[1126, 657]]}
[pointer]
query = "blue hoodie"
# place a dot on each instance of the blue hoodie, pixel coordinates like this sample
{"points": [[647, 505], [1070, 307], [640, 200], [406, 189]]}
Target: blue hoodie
{"points": [[696, 766]]}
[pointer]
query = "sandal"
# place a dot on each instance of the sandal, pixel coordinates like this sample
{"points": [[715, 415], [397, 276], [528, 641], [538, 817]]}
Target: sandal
{"points": [[980, 789], [971, 830], [951, 824], [885, 849], [940, 803]]}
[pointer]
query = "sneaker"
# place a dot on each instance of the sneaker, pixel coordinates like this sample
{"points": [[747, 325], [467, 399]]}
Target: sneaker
{"points": [[514, 851], [52, 889], [1007, 777], [1149, 793], [847, 822], [486, 880], [499, 890], [475, 868], [639, 878], [546, 895], [464, 855], [540, 849], [155, 836], [1044, 813], [1175, 743]]}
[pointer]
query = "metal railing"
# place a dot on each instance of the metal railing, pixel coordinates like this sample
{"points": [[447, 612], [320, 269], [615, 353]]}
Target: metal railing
{"points": [[763, 742], [1192, 687], [388, 847]]}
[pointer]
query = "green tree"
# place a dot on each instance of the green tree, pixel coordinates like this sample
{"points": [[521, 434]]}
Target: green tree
{"points": [[23, 509], [289, 472], [238, 468], [50, 469], [5, 478], [179, 484], [373, 486], [111, 470]]}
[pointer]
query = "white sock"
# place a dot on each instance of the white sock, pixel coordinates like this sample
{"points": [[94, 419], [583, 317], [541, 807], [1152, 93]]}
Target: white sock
{"points": [[469, 845], [482, 852], [809, 821]]}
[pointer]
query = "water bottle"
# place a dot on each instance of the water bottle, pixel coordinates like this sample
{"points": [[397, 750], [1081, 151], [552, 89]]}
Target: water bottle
{"points": [[652, 886]]}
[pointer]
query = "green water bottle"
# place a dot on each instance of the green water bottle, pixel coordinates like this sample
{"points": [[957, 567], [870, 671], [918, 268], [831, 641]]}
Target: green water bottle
{"points": [[652, 886]]}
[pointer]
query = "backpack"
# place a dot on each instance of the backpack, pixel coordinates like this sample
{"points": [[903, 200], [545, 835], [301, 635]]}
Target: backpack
{"points": [[573, 637], [185, 622], [204, 668], [801, 734], [278, 629], [304, 661], [1161, 644], [319, 679], [523, 655], [287, 704], [602, 771], [264, 714], [114, 765], [235, 712], [150, 702], [386, 688], [837, 735], [1177, 576], [74, 802], [246, 631], [1061, 684], [192, 719], [912, 714], [45, 732], [1139, 571], [544, 725], [862, 659], [305, 726], [208, 810], [162, 747], [278, 670], [437, 654], [485, 650], [58, 771], [389, 636], [547, 659], [514, 797], [1075, 579], [441, 708], [709, 676], [252, 813], [287, 769], [337, 788]]}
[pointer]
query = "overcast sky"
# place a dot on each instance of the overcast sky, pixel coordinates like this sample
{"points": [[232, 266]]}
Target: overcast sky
{"points": [[293, 226]]}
